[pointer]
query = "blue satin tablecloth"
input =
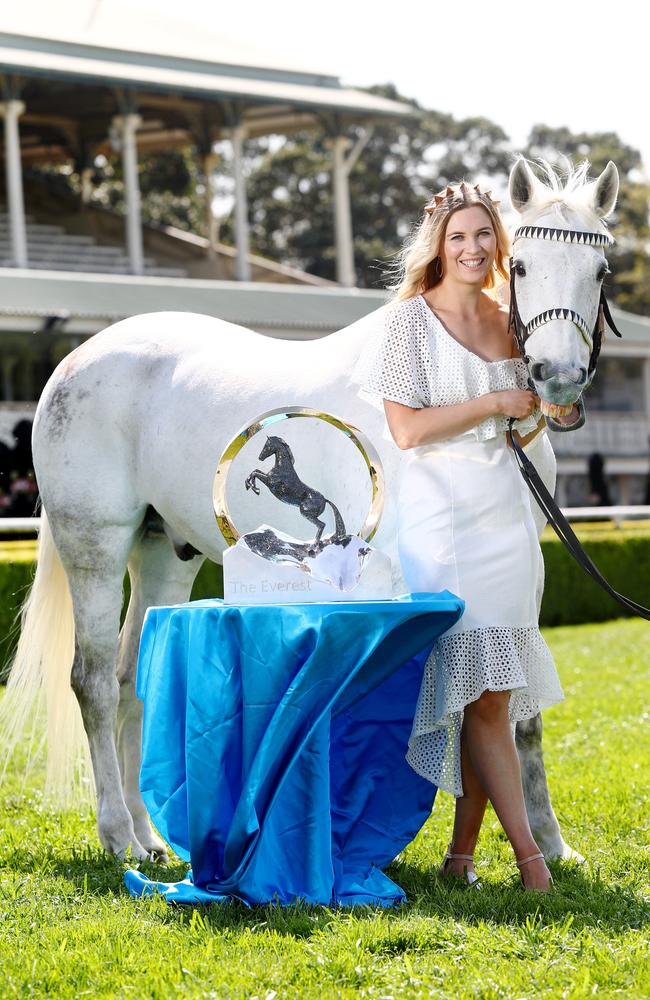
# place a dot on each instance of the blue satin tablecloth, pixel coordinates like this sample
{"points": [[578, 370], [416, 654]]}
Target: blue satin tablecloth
{"points": [[274, 741]]}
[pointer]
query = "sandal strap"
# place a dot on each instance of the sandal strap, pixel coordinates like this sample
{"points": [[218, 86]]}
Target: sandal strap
{"points": [[458, 857], [533, 857]]}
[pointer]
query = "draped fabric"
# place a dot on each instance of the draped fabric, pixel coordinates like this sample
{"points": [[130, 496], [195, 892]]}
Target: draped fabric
{"points": [[274, 742]]}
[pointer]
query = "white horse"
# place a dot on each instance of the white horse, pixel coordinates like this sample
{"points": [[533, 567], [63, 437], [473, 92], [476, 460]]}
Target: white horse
{"points": [[126, 440]]}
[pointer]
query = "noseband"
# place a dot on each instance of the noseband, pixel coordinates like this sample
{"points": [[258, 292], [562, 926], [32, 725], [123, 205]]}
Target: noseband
{"points": [[593, 338]]}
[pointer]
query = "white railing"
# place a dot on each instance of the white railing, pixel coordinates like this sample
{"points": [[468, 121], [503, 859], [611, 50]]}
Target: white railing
{"points": [[610, 434], [633, 512]]}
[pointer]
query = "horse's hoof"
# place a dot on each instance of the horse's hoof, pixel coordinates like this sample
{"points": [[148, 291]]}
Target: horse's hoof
{"points": [[564, 853], [159, 857], [568, 854]]}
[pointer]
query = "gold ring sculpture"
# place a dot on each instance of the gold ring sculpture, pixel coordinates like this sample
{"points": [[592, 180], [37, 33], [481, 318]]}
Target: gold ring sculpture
{"points": [[263, 422]]}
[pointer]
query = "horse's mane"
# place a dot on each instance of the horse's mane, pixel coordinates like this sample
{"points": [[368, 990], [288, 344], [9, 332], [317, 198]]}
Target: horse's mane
{"points": [[566, 190]]}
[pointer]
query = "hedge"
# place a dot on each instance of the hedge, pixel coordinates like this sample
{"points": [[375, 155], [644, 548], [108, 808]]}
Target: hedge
{"points": [[570, 597], [17, 563]]}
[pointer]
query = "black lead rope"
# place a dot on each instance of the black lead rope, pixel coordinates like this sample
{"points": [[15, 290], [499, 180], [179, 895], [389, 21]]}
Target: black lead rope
{"points": [[563, 529]]}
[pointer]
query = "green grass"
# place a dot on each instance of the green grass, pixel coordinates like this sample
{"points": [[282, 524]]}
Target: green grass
{"points": [[68, 928]]}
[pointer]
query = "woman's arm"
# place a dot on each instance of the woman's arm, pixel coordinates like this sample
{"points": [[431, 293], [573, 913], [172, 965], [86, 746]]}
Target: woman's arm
{"points": [[411, 428]]}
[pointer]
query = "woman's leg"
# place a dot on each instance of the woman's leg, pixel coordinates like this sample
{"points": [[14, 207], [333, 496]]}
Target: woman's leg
{"points": [[470, 810], [492, 752]]}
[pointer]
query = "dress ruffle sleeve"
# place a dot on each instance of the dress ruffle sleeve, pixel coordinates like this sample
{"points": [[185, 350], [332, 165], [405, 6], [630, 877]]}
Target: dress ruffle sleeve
{"points": [[400, 368]]}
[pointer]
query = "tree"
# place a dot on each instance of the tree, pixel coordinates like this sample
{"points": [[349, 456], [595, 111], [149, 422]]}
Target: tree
{"points": [[290, 187]]}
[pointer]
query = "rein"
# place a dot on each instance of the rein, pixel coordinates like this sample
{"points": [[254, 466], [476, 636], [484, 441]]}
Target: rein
{"points": [[522, 331], [563, 529]]}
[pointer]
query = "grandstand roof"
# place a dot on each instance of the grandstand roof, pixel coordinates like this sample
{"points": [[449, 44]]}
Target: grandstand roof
{"points": [[156, 56]]}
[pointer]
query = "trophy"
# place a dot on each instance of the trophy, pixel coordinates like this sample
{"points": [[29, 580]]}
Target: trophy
{"points": [[322, 479]]}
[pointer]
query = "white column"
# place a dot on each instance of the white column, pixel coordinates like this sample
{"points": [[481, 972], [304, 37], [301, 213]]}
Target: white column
{"points": [[345, 273], [8, 365], [11, 111], [126, 127], [211, 221], [646, 386], [242, 240]]}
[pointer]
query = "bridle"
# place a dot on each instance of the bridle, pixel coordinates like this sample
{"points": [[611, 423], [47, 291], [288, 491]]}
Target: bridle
{"points": [[593, 338]]}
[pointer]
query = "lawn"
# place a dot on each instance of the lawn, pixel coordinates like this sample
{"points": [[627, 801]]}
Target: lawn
{"points": [[68, 928]]}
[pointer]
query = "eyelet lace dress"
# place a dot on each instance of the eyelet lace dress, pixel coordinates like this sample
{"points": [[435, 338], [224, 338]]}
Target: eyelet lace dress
{"points": [[465, 525]]}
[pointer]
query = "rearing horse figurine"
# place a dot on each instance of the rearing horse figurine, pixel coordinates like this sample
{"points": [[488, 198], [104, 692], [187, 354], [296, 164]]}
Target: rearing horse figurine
{"points": [[285, 484]]}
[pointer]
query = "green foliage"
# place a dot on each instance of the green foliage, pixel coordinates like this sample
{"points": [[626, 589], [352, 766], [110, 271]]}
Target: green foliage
{"points": [[571, 597], [172, 186], [16, 574], [69, 929], [404, 161]]}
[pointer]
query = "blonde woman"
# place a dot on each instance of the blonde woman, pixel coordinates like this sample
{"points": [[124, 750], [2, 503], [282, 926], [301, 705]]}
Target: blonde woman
{"points": [[450, 376]]}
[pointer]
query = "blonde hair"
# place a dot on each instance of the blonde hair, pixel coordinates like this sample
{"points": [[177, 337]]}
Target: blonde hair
{"points": [[418, 264]]}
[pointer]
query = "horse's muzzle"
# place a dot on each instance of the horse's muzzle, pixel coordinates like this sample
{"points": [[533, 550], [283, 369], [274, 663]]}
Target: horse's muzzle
{"points": [[563, 387]]}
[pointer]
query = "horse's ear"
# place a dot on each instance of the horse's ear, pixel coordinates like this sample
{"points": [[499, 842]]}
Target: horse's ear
{"points": [[522, 186], [604, 191]]}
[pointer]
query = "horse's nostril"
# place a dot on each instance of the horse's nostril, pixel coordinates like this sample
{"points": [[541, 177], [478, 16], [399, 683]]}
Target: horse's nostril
{"points": [[582, 375], [538, 370]]}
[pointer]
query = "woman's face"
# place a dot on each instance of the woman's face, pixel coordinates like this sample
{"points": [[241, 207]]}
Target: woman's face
{"points": [[469, 246]]}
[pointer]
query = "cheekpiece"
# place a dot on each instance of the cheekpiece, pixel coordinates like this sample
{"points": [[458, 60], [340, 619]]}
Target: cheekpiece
{"points": [[450, 193], [563, 236]]}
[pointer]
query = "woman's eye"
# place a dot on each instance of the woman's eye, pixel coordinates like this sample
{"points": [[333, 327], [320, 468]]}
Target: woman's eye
{"points": [[520, 270]]}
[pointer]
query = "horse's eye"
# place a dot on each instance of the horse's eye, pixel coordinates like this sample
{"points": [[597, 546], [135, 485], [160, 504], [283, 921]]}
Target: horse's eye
{"points": [[602, 271], [520, 270]]}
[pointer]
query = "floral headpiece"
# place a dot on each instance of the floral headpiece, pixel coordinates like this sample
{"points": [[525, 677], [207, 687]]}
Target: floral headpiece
{"points": [[451, 194]]}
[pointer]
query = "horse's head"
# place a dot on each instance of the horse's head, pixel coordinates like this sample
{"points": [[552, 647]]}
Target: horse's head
{"points": [[558, 268], [274, 446]]}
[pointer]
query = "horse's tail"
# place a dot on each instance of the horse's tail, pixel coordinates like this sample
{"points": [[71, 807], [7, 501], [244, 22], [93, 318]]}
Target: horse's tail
{"points": [[40, 679], [338, 520]]}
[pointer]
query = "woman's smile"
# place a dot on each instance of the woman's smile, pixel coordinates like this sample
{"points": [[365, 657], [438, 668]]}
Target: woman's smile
{"points": [[472, 262]]}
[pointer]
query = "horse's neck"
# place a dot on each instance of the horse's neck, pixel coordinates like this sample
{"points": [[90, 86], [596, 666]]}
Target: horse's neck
{"points": [[282, 459]]}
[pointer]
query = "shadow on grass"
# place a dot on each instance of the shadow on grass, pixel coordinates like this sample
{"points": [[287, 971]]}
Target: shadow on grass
{"points": [[579, 895]]}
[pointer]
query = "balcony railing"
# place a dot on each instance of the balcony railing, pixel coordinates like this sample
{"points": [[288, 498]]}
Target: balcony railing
{"points": [[623, 436]]}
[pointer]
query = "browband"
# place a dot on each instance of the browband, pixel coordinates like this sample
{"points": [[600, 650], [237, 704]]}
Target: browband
{"points": [[563, 236]]}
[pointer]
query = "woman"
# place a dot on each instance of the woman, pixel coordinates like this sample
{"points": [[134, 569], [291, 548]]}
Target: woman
{"points": [[450, 377]]}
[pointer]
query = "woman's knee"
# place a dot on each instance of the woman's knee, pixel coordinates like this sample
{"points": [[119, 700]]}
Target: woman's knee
{"points": [[491, 706]]}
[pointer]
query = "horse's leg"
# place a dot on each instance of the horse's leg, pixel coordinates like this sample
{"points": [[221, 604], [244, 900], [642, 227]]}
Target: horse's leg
{"points": [[542, 819], [95, 574], [158, 577], [251, 484]]}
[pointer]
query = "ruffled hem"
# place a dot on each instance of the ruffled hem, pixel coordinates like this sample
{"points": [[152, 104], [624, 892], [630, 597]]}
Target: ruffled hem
{"points": [[463, 665]]}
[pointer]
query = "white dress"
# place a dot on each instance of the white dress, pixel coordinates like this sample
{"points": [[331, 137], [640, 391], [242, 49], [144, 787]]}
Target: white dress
{"points": [[465, 525]]}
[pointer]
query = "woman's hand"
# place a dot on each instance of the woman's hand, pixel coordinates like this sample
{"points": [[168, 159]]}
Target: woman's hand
{"points": [[517, 403]]}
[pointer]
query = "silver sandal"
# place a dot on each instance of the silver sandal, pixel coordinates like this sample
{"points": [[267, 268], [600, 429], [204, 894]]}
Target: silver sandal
{"points": [[471, 878], [525, 861]]}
